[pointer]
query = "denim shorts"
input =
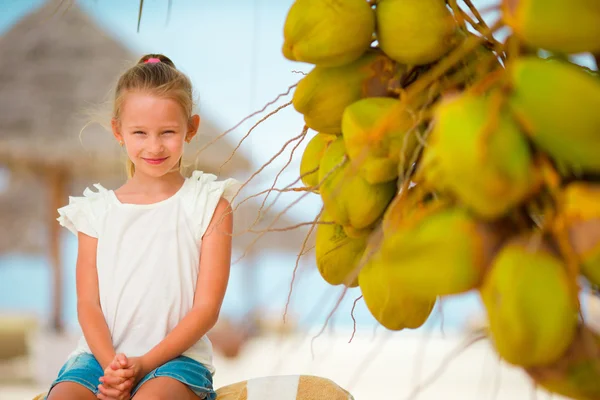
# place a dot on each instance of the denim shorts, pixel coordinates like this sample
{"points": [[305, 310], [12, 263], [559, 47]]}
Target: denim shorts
{"points": [[85, 370]]}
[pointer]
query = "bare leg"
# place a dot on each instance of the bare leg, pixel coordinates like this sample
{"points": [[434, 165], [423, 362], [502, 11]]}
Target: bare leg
{"points": [[164, 388], [70, 391]]}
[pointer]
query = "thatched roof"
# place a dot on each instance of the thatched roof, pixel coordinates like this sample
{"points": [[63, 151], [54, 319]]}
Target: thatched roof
{"points": [[55, 66]]}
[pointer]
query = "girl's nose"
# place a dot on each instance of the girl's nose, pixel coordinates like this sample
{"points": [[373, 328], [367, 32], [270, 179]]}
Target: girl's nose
{"points": [[156, 145]]}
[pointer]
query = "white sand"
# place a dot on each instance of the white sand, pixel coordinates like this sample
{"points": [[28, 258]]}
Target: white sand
{"points": [[373, 366]]}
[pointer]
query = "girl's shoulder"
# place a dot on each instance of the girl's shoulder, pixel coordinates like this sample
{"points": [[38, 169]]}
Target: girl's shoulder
{"points": [[200, 196], [204, 191], [202, 184], [83, 213]]}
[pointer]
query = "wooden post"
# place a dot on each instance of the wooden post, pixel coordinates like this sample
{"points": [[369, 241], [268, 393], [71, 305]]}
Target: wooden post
{"points": [[57, 181]]}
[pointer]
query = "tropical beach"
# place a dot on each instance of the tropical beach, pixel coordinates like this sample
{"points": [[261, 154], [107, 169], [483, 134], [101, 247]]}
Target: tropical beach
{"points": [[296, 305]]}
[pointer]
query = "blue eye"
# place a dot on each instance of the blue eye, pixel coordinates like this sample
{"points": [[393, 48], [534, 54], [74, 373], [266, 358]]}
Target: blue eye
{"points": [[165, 132]]}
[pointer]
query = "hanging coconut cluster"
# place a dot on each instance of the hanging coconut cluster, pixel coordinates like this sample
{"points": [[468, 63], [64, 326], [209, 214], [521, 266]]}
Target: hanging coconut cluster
{"points": [[448, 161]]}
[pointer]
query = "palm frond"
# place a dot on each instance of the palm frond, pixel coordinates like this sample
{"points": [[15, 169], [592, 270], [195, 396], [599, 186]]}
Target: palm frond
{"points": [[140, 15], [169, 12]]}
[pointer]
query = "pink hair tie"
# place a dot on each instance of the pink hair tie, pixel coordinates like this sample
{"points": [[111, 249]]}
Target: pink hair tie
{"points": [[152, 60]]}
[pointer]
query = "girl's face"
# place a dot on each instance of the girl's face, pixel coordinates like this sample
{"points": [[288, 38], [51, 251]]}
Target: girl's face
{"points": [[153, 130]]}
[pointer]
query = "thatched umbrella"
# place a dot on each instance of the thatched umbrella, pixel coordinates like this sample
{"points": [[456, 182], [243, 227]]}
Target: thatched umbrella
{"points": [[53, 65]]}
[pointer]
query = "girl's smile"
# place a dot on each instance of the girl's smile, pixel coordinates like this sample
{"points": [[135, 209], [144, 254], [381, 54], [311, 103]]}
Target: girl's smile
{"points": [[154, 161], [153, 130]]}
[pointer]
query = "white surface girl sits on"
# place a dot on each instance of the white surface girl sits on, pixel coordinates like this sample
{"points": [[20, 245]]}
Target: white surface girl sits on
{"points": [[153, 256]]}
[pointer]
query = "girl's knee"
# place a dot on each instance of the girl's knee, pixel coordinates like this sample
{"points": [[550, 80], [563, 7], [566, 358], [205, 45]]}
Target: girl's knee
{"points": [[153, 396], [164, 388], [70, 391], [150, 397]]}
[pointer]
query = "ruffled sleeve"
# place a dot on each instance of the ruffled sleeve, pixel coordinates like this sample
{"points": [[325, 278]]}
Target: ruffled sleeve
{"points": [[83, 214], [204, 197]]}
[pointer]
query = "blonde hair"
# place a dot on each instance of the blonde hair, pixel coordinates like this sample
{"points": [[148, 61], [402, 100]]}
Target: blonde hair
{"points": [[158, 78]]}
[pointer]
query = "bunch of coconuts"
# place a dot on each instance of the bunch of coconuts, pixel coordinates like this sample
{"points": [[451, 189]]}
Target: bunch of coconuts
{"points": [[448, 161]]}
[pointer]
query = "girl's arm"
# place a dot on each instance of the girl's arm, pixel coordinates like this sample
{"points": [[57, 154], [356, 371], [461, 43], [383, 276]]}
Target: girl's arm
{"points": [[89, 313], [212, 282]]}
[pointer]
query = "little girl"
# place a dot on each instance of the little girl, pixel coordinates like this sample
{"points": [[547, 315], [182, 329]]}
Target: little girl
{"points": [[153, 256]]}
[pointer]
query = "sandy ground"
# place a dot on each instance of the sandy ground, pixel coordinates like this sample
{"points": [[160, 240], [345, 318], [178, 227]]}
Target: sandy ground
{"points": [[376, 364]]}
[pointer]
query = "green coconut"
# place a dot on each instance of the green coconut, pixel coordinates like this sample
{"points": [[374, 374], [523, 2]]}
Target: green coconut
{"points": [[347, 197], [338, 255], [385, 297], [311, 158], [479, 155], [323, 94], [328, 33], [530, 303], [377, 136], [580, 214], [557, 103], [415, 32], [557, 25], [576, 374], [437, 250]]}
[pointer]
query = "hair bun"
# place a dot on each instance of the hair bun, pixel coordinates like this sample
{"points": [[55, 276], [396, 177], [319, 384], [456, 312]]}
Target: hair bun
{"points": [[161, 57]]}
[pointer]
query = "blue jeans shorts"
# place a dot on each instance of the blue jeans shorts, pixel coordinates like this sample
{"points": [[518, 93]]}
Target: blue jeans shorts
{"points": [[85, 370]]}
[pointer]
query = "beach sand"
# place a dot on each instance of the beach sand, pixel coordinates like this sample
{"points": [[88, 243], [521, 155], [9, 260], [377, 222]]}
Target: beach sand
{"points": [[377, 364]]}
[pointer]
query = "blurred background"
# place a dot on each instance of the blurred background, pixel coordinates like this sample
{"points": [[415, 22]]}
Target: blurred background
{"points": [[59, 61]]}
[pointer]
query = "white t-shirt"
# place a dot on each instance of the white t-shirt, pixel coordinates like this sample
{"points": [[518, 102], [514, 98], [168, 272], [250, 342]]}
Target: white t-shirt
{"points": [[147, 260]]}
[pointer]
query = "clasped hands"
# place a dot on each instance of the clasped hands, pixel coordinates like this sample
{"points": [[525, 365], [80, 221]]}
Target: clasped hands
{"points": [[119, 378]]}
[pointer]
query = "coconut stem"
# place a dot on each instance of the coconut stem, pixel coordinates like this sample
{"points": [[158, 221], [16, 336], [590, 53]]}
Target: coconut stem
{"points": [[554, 224], [458, 15], [413, 161], [261, 168], [561, 235], [300, 254], [335, 308], [445, 363], [281, 150], [489, 80], [482, 28], [291, 227], [245, 119], [354, 319], [420, 353], [289, 206], [481, 24], [422, 115], [302, 136], [513, 46], [448, 62], [286, 189], [312, 189], [271, 225], [476, 13], [250, 131]]}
